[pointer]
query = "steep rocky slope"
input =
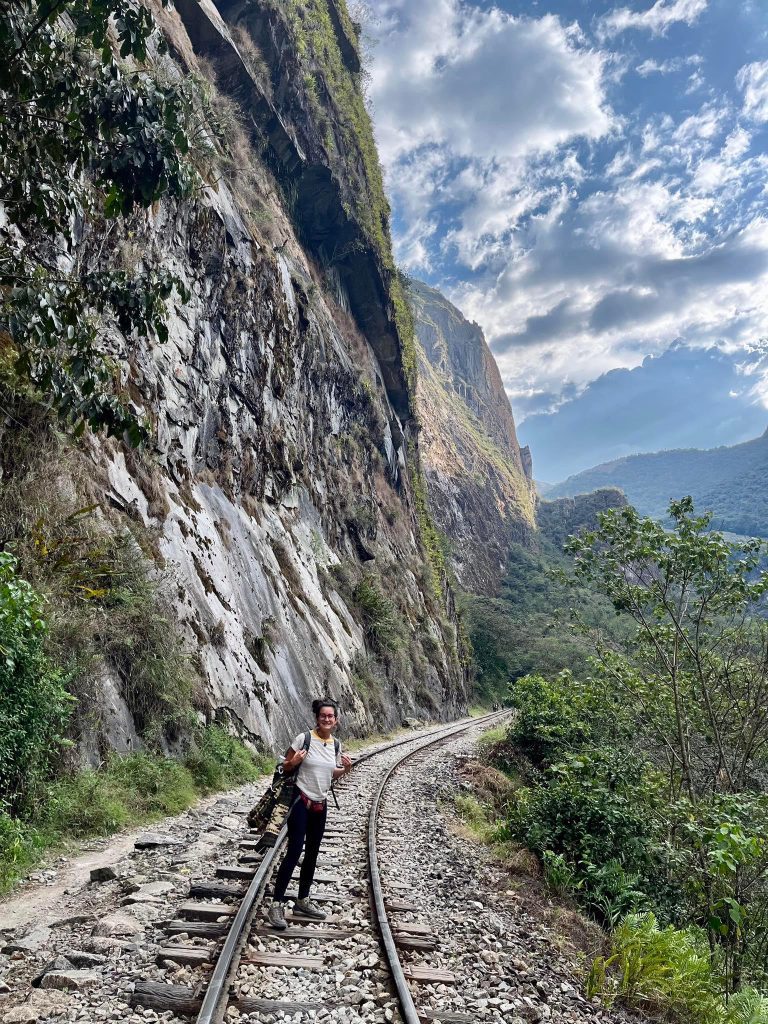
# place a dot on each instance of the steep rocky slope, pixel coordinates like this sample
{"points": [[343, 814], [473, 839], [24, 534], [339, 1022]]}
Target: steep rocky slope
{"points": [[277, 491], [479, 479], [728, 481]]}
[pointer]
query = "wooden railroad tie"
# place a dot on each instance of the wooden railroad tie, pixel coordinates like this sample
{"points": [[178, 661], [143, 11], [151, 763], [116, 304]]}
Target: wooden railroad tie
{"points": [[184, 1001], [154, 995], [188, 956], [309, 963], [422, 942], [196, 929], [433, 975], [413, 928], [427, 1016], [237, 871], [217, 889], [401, 906], [206, 911]]}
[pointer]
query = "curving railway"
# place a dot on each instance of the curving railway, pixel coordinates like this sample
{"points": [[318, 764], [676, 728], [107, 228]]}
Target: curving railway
{"points": [[367, 961]]}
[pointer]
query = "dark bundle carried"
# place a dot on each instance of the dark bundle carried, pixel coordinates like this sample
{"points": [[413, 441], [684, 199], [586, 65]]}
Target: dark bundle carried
{"points": [[270, 812]]}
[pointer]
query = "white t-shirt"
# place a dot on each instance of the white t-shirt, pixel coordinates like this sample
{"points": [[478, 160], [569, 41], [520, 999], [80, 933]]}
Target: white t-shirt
{"points": [[315, 773]]}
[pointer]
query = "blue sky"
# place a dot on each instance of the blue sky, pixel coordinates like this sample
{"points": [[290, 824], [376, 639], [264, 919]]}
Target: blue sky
{"points": [[586, 180]]}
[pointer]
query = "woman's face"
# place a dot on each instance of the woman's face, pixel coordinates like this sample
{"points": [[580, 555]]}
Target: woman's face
{"points": [[326, 717]]}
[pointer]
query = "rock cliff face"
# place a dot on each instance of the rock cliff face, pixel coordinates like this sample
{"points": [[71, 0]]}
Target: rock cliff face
{"points": [[277, 486], [560, 518], [479, 479]]}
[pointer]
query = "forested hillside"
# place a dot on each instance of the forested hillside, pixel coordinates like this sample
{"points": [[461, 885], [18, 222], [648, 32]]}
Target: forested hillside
{"points": [[638, 758], [728, 481]]}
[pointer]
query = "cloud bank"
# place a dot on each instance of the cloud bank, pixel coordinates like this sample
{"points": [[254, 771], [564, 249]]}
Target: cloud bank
{"points": [[584, 213]]}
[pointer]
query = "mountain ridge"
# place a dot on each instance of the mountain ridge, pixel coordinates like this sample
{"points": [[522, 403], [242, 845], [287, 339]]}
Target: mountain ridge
{"points": [[729, 481]]}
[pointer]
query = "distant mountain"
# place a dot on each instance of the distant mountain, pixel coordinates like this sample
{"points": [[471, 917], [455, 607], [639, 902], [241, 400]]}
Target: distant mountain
{"points": [[682, 398], [479, 484], [731, 482]]}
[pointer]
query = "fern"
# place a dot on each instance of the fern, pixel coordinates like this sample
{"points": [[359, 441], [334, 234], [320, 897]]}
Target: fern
{"points": [[747, 1007]]}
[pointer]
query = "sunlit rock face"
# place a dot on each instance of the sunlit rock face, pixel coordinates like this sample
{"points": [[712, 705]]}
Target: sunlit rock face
{"points": [[279, 475], [479, 480]]}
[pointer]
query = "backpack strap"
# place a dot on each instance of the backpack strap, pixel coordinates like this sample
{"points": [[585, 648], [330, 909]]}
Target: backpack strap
{"points": [[336, 747], [307, 741]]}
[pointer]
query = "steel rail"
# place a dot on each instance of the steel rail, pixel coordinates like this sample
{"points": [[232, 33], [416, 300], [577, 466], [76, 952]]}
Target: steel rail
{"points": [[408, 1009], [217, 987], [217, 992]]}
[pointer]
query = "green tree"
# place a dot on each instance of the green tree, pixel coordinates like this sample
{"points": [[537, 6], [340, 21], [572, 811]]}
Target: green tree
{"points": [[695, 673], [87, 135], [34, 705], [696, 667]]}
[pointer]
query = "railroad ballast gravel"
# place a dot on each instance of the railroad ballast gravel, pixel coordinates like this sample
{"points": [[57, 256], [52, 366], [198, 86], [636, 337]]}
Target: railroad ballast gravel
{"points": [[508, 966]]}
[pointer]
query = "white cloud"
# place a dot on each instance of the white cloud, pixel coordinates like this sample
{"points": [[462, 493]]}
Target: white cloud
{"points": [[667, 67], [579, 240], [482, 82], [612, 278], [752, 79], [656, 19]]}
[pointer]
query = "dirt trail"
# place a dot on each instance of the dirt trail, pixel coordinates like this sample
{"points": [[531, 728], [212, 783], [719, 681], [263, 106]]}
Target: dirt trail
{"points": [[60, 897]]}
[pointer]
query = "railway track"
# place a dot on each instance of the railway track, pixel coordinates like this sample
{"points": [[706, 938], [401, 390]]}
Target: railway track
{"points": [[365, 961]]}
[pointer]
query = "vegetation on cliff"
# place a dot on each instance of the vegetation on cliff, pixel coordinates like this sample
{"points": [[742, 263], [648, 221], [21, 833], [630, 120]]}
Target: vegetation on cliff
{"points": [[86, 136], [530, 624]]}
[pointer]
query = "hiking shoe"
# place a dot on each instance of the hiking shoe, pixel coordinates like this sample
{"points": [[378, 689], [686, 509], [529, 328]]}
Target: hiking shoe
{"points": [[276, 916], [309, 909]]}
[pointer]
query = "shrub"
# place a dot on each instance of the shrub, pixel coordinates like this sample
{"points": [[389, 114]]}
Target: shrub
{"points": [[219, 760], [558, 715], [19, 847], [660, 971], [593, 812], [34, 705], [380, 619]]}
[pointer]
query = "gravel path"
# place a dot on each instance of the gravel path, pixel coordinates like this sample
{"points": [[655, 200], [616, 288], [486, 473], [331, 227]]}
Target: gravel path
{"points": [[88, 949]]}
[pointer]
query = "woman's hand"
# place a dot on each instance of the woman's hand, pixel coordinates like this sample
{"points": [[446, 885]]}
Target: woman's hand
{"points": [[293, 759], [346, 761]]}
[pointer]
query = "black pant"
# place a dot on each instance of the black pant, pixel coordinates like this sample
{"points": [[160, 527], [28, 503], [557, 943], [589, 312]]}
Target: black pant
{"points": [[302, 824]]}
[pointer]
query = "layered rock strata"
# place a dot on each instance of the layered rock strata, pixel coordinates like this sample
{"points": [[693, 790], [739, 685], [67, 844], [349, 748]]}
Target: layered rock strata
{"points": [[479, 479], [277, 489]]}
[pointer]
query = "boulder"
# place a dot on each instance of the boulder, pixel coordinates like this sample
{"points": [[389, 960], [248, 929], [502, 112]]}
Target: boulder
{"points": [[152, 840], [82, 959], [32, 942], [75, 981], [117, 924], [103, 874]]}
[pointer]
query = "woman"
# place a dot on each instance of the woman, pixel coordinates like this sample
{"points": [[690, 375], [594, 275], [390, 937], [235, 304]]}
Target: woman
{"points": [[317, 768]]}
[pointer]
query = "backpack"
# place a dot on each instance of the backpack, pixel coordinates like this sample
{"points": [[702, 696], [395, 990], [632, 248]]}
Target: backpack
{"points": [[272, 809]]}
